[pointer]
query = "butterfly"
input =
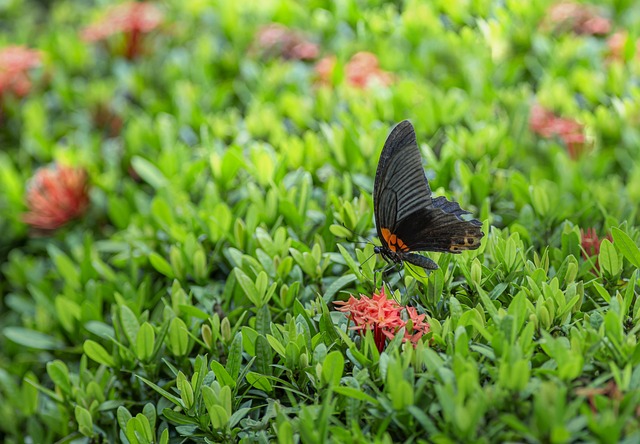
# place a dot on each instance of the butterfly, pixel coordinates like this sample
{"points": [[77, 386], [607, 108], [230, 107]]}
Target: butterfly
{"points": [[407, 217]]}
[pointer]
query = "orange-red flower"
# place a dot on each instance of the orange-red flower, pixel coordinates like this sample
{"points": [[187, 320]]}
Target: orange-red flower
{"points": [[617, 43], [361, 71], [56, 195], [133, 19], [546, 124], [576, 17], [276, 40], [15, 63], [591, 244], [384, 318]]}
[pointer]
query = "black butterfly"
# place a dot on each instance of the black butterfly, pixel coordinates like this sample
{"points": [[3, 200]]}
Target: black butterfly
{"points": [[407, 218]]}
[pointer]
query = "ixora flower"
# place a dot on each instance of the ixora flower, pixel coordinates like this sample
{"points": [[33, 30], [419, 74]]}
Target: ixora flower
{"points": [[361, 71], [56, 195], [546, 124], [591, 243], [384, 318], [133, 19], [576, 17], [15, 63], [275, 40], [617, 44]]}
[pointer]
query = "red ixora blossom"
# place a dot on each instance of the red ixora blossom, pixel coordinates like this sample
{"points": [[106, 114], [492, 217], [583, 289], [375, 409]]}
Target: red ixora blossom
{"points": [[15, 63], [56, 194], [546, 124], [276, 40], [133, 19], [384, 318], [617, 43], [361, 71], [591, 244], [576, 17]]}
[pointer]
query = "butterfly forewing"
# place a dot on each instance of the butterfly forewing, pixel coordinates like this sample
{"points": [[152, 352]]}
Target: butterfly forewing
{"points": [[400, 186]]}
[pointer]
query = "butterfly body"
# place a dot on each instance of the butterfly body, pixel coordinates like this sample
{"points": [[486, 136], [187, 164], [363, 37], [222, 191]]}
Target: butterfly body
{"points": [[407, 217]]}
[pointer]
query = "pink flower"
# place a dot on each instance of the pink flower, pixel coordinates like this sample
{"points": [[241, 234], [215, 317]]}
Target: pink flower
{"points": [[383, 317], [275, 40], [617, 42], [324, 69], [15, 63], [133, 19], [576, 17], [591, 243], [363, 70], [546, 124], [56, 195]]}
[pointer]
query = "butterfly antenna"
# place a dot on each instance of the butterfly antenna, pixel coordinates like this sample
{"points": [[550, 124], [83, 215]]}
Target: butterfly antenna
{"points": [[364, 239], [366, 260]]}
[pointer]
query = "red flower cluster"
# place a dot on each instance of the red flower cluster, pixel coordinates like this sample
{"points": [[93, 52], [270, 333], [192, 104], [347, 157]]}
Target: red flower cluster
{"points": [[15, 62], [362, 71], [56, 195], [546, 124], [384, 318], [591, 243], [617, 43], [133, 19], [276, 40], [576, 17]]}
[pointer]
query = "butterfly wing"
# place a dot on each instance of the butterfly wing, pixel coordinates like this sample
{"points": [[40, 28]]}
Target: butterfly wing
{"points": [[439, 228], [400, 187], [407, 218]]}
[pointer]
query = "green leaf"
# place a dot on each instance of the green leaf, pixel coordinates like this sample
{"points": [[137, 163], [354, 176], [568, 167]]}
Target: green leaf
{"points": [[67, 269], [222, 375], [177, 401], [130, 323], [625, 245], [336, 286], [259, 381], [149, 172], [32, 338], [59, 374], [145, 342], [332, 368], [161, 265], [85, 423], [355, 393], [97, 352], [249, 288], [123, 415], [608, 258], [178, 337]]}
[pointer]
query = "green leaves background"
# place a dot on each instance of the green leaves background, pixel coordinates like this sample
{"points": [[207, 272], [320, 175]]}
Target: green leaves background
{"points": [[194, 299]]}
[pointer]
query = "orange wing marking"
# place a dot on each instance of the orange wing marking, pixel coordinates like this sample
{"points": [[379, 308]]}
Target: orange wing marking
{"points": [[393, 241]]}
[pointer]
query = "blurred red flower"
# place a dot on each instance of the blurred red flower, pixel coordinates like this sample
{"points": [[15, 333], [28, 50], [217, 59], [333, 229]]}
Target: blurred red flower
{"points": [[546, 124], [617, 43], [15, 63], [133, 19], [361, 71], [324, 69], [276, 40], [384, 318], [576, 17], [56, 195], [591, 244]]}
